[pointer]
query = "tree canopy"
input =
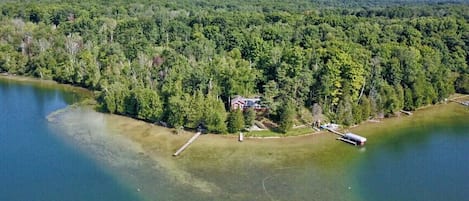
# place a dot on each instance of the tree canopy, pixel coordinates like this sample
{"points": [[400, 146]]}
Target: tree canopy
{"points": [[172, 61]]}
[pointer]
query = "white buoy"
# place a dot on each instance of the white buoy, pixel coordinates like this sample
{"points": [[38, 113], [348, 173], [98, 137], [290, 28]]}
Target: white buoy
{"points": [[241, 137]]}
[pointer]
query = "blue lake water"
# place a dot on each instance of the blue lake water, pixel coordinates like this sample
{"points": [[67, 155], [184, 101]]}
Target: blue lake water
{"points": [[417, 158], [429, 162], [35, 164]]}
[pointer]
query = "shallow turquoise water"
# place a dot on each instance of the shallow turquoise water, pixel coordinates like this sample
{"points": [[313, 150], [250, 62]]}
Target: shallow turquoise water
{"points": [[75, 158], [37, 165]]}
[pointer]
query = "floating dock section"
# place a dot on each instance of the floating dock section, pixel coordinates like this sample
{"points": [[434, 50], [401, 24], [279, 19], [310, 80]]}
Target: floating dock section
{"points": [[193, 138], [349, 137], [353, 139]]}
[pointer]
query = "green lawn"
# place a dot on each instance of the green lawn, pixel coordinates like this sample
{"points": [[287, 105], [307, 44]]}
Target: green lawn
{"points": [[271, 133]]}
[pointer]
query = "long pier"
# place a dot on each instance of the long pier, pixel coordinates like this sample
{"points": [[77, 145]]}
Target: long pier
{"points": [[189, 142], [335, 132], [406, 112], [465, 103]]}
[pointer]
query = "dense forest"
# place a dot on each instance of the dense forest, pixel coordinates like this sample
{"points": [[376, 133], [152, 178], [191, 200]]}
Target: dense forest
{"points": [[180, 62]]}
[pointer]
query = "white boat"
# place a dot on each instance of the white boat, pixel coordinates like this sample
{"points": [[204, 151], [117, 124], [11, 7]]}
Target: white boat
{"points": [[359, 140]]}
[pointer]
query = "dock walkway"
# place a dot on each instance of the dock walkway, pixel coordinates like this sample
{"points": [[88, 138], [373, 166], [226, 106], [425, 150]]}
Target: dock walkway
{"points": [[335, 132], [465, 103], [406, 112], [189, 142]]}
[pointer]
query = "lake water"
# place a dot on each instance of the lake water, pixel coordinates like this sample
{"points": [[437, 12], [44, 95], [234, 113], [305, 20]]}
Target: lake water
{"points": [[428, 162], [35, 164], [79, 154]]}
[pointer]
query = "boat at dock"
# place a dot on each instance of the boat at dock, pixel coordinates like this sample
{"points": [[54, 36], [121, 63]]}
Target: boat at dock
{"points": [[353, 139], [330, 126]]}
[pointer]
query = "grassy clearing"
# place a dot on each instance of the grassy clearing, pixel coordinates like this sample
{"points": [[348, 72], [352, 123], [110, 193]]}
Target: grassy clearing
{"points": [[273, 133]]}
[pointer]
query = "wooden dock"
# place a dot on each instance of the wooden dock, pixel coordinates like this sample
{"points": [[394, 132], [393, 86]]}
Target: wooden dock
{"points": [[335, 132], [189, 142], [342, 136], [406, 112], [347, 140], [465, 103], [346, 137]]}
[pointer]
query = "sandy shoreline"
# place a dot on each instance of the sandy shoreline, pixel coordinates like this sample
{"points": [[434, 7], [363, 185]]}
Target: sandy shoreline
{"points": [[46, 84], [179, 139], [213, 159], [51, 83]]}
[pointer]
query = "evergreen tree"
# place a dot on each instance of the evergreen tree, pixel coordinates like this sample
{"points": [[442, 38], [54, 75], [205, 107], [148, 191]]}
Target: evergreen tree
{"points": [[214, 115], [249, 117], [235, 121], [176, 111], [287, 116]]}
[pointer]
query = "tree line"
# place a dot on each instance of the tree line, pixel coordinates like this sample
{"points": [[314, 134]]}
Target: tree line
{"points": [[181, 65]]}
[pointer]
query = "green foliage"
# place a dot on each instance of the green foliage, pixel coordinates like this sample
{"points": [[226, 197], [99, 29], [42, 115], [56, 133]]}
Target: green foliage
{"points": [[408, 100], [462, 84], [215, 115], [286, 116], [195, 110], [176, 111], [180, 62], [345, 111], [365, 108], [391, 100], [249, 117], [235, 121], [148, 104]]}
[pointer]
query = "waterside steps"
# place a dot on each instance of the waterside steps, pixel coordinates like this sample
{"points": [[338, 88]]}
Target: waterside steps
{"points": [[189, 142]]}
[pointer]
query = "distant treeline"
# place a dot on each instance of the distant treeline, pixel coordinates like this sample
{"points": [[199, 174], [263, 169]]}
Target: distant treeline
{"points": [[178, 63], [255, 5]]}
